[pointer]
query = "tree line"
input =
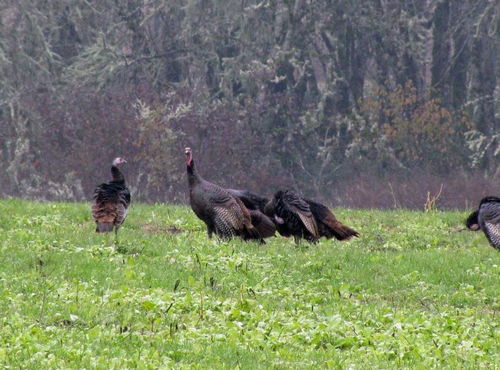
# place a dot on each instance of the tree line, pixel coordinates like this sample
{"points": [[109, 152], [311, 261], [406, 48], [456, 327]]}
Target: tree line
{"points": [[361, 102]]}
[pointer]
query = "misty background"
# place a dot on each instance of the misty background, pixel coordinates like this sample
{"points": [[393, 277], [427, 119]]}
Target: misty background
{"points": [[361, 103]]}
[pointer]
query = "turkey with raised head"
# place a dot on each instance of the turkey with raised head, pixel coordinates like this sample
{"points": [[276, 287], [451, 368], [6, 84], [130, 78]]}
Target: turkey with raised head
{"points": [[487, 218], [224, 214], [255, 204], [111, 201], [305, 218]]}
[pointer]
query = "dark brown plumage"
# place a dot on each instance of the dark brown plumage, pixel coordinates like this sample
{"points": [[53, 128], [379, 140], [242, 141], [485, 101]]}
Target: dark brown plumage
{"points": [[293, 216], [224, 214], [305, 218], [328, 225], [487, 218], [111, 201], [264, 225], [250, 199], [472, 221], [255, 204]]}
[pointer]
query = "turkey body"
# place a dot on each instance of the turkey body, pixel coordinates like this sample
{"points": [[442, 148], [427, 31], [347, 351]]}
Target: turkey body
{"points": [[110, 203], [255, 204], [222, 213], [250, 199], [305, 218], [293, 216], [487, 218]]}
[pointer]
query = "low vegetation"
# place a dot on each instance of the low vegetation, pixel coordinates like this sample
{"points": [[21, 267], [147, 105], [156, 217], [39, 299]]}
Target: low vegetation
{"points": [[412, 291]]}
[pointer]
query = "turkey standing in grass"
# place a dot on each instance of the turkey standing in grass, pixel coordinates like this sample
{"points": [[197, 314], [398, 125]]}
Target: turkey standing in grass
{"points": [[292, 216], [255, 205], [224, 214], [304, 218], [487, 218], [111, 201]]}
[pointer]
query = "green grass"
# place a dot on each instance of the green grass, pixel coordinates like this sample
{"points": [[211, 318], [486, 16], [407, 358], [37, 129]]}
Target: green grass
{"points": [[412, 291]]}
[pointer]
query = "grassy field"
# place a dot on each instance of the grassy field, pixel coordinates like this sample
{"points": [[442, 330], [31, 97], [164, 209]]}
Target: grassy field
{"points": [[412, 291]]}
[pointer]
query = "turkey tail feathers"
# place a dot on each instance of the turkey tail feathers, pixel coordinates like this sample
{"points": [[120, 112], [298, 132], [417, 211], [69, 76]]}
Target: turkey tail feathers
{"points": [[342, 232]]}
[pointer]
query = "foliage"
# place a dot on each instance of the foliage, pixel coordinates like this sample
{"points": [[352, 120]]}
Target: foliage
{"points": [[159, 131], [412, 291], [289, 86], [418, 132], [481, 145]]}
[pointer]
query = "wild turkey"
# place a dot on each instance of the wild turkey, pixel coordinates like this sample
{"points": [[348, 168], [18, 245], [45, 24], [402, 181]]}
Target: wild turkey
{"points": [[305, 218], [111, 201], [224, 214], [255, 205], [292, 215], [487, 218]]}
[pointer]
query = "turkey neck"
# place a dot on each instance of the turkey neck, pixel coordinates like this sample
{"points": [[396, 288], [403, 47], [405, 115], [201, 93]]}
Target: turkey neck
{"points": [[193, 176], [117, 175]]}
